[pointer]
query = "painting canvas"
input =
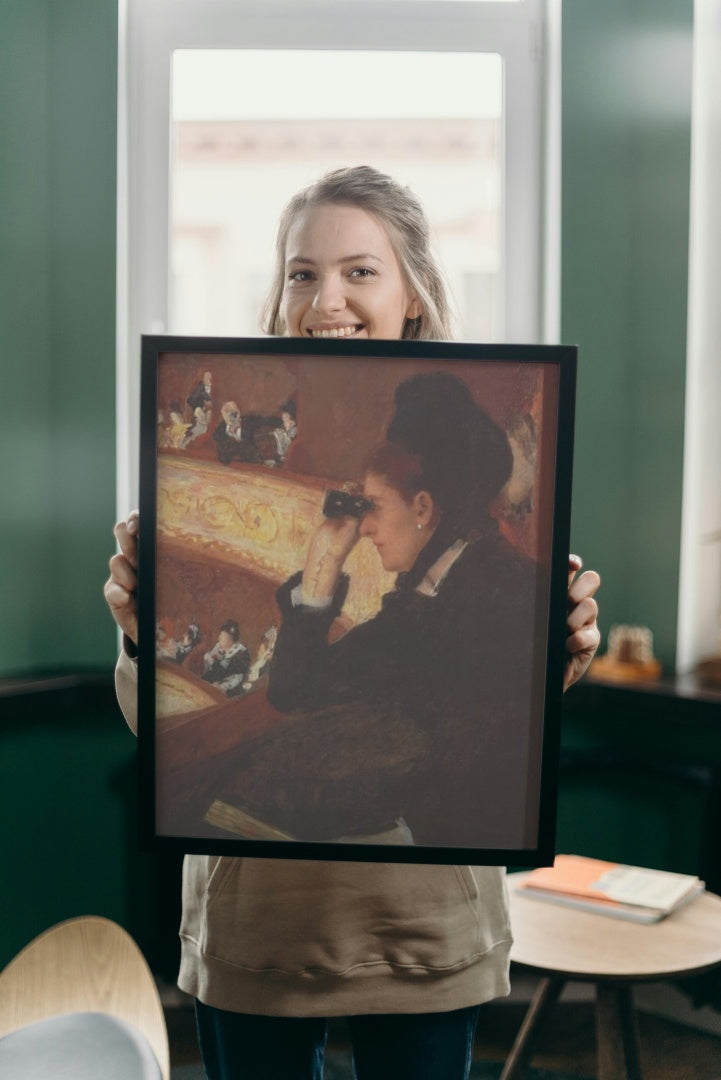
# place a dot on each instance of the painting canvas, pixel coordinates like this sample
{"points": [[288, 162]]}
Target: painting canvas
{"points": [[352, 597]]}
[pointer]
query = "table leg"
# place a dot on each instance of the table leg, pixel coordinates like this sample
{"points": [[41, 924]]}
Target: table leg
{"points": [[617, 1033], [545, 997]]}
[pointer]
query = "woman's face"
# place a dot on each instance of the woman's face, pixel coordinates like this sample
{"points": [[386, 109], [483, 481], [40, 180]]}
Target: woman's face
{"points": [[393, 524], [342, 277]]}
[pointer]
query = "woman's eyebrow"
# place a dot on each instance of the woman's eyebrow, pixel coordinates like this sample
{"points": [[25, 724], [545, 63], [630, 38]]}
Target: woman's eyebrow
{"points": [[361, 257]]}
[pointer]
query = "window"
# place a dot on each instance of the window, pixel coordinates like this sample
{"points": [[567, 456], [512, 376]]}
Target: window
{"points": [[227, 107], [236, 160]]}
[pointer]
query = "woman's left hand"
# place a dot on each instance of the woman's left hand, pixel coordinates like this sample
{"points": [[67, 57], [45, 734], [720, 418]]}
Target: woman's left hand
{"points": [[583, 635]]}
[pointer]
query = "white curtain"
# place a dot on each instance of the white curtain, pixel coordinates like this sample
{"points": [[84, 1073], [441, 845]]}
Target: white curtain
{"points": [[699, 623]]}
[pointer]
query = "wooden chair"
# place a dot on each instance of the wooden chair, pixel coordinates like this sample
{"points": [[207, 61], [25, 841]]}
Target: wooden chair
{"points": [[80, 975]]}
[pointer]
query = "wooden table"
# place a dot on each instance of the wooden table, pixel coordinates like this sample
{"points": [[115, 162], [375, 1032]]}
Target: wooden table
{"points": [[563, 944]]}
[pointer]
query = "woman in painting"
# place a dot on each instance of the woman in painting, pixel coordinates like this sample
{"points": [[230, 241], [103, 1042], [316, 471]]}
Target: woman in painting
{"points": [[271, 948], [422, 714]]}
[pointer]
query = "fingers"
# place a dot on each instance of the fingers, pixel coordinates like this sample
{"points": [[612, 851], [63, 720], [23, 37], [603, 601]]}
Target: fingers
{"points": [[583, 636], [584, 641], [123, 573], [584, 586], [123, 607], [126, 534], [120, 588], [338, 535], [119, 599], [575, 562], [580, 614]]}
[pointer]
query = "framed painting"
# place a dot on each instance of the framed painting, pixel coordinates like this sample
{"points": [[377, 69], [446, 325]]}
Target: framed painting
{"points": [[352, 597]]}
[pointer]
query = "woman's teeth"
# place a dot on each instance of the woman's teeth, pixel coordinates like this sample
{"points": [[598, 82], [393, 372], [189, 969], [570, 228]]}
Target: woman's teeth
{"points": [[337, 331]]}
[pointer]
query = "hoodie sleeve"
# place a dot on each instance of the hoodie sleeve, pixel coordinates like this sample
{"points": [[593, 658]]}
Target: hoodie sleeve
{"points": [[126, 689]]}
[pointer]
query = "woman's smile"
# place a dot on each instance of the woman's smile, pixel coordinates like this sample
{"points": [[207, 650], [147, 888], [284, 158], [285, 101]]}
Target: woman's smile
{"points": [[335, 331]]}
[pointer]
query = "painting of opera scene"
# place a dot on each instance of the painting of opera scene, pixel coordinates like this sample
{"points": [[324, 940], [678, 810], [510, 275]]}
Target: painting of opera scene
{"points": [[351, 598]]}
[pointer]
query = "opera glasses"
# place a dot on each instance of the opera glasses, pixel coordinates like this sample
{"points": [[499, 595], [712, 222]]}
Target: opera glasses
{"points": [[343, 504]]}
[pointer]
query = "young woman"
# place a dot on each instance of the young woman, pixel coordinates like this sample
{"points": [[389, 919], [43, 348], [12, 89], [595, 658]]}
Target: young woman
{"points": [[271, 948]]}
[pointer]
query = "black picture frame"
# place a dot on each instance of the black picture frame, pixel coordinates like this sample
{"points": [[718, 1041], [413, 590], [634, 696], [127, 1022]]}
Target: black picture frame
{"points": [[226, 517]]}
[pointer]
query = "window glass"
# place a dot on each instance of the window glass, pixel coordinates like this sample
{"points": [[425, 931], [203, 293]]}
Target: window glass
{"points": [[239, 154]]}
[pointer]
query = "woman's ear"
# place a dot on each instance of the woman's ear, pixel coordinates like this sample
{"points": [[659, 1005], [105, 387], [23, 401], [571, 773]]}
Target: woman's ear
{"points": [[415, 309], [425, 509]]}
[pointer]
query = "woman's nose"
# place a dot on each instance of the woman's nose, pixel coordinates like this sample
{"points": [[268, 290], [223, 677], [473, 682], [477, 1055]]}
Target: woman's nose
{"points": [[329, 295], [366, 526]]}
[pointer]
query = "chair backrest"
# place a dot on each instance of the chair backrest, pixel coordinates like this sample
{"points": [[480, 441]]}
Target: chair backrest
{"points": [[87, 964]]}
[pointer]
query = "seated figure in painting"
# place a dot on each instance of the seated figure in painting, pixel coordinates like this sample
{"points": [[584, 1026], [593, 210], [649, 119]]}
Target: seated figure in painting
{"points": [[173, 435], [187, 643], [200, 396], [286, 431], [199, 427], [263, 657], [168, 647], [165, 643], [226, 664], [235, 436], [418, 721], [253, 437]]}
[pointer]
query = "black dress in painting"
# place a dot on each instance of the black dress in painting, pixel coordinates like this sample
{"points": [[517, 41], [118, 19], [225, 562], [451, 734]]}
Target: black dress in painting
{"points": [[427, 712]]}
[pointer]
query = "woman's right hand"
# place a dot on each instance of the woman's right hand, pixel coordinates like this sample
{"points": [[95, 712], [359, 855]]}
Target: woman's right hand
{"points": [[121, 587], [329, 546]]}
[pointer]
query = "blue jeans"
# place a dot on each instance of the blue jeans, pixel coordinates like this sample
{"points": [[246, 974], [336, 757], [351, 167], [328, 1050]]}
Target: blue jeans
{"points": [[415, 1046]]}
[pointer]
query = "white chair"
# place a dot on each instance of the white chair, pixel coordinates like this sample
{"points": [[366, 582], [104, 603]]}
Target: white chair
{"points": [[80, 1002]]}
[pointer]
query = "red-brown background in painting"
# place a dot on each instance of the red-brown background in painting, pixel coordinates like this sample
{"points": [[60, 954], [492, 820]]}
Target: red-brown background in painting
{"points": [[344, 407]]}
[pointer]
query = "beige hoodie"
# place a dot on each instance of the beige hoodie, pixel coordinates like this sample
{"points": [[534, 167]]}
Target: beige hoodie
{"points": [[285, 937]]}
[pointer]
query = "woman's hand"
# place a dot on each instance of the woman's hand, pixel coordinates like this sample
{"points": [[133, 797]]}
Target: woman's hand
{"points": [[121, 587], [583, 635], [329, 547]]}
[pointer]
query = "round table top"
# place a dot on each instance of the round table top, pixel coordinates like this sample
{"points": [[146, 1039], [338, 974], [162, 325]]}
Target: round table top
{"points": [[559, 940]]}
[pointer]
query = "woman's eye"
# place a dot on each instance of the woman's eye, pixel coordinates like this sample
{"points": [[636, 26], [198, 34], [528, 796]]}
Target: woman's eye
{"points": [[362, 272], [300, 276]]}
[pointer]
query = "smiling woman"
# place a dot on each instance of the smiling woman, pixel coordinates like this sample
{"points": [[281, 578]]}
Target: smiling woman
{"points": [[271, 946]]}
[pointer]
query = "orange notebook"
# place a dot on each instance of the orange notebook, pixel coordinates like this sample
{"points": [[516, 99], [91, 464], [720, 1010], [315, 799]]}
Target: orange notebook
{"points": [[632, 892]]}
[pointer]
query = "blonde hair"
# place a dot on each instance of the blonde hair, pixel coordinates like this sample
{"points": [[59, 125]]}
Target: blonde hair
{"points": [[403, 217]]}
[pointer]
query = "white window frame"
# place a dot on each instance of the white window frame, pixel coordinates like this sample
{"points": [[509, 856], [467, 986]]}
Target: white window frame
{"points": [[526, 34], [699, 597]]}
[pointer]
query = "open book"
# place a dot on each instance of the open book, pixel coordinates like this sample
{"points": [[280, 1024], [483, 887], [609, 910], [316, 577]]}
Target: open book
{"points": [[608, 888]]}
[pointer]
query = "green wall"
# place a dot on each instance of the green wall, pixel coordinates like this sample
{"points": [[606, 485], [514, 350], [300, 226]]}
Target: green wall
{"points": [[58, 74], [67, 773], [625, 200]]}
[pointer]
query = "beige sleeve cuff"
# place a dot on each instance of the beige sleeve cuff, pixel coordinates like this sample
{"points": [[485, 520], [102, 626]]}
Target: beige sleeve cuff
{"points": [[126, 688]]}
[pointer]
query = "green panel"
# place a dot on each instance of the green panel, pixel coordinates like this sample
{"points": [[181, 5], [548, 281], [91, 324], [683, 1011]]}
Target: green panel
{"points": [[62, 786], [82, 303], [650, 791], [622, 817], [25, 439], [58, 80], [68, 785], [626, 161]]}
